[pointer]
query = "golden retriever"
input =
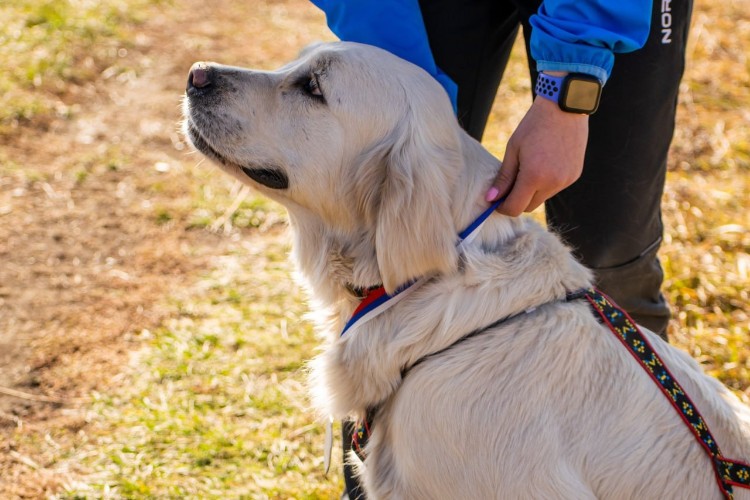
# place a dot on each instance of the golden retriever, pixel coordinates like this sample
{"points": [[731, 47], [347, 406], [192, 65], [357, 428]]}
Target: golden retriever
{"points": [[364, 151]]}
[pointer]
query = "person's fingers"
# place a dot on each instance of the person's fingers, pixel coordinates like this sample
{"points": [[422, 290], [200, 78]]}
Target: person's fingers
{"points": [[537, 200], [543, 156], [507, 175], [521, 194]]}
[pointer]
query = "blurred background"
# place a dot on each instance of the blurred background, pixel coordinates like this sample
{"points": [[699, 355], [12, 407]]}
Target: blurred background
{"points": [[152, 341]]}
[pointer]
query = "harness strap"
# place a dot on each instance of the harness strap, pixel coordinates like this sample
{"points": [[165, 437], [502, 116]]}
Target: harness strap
{"points": [[728, 472], [734, 472], [362, 427], [362, 433], [569, 297]]}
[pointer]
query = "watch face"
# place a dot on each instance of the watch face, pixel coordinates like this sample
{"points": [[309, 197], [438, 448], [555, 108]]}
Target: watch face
{"points": [[581, 95]]}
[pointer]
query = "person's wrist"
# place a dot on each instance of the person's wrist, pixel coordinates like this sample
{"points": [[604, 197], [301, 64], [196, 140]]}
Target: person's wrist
{"points": [[574, 93]]}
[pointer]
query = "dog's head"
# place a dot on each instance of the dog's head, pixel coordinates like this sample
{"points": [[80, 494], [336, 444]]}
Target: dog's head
{"points": [[348, 135]]}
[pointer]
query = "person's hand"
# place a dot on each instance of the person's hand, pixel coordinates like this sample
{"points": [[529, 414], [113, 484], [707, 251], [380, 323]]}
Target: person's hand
{"points": [[544, 156]]}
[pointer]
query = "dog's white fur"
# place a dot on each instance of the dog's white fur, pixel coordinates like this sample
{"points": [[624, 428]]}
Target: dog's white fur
{"points": [[381, 179]]}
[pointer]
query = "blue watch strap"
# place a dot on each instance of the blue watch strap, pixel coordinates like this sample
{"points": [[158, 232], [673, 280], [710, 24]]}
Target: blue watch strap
{"points": [[549, 86]]}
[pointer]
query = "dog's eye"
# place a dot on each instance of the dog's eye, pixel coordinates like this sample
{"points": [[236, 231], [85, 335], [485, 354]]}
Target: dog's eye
{"points": [[312, 86]]}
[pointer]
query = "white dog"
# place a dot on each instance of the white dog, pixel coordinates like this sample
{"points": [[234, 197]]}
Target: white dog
{"points": [[363, 150]]}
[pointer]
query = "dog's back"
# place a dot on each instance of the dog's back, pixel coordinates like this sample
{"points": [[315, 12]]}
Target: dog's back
{"points": [[549, 406]]}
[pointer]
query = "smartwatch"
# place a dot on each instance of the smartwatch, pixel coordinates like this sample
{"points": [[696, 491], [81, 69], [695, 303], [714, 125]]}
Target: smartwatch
{"points": [[574, 92]]}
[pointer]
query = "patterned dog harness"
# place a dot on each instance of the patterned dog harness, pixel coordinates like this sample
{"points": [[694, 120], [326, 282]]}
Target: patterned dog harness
{"points": [[728, 473]]}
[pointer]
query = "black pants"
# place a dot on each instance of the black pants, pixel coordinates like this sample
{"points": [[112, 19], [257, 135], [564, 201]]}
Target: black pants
{"points": [[611, 216]]}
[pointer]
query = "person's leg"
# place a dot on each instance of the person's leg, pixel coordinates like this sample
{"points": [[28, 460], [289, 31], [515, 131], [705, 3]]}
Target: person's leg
{"points": [[611, 216], [471, 42]]}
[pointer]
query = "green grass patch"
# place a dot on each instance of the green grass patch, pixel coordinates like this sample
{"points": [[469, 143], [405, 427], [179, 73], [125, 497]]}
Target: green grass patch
{"points": [[217, 407], [46, 46]]}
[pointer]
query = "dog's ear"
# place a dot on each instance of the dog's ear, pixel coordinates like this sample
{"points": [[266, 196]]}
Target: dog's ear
{"points": [[415, 231]]}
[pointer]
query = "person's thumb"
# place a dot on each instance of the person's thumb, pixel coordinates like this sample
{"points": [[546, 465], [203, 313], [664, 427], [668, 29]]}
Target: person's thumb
{"points": [[506, 177]]}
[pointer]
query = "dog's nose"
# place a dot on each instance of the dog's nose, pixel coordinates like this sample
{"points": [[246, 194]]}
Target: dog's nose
{"points": [[199, 77]]}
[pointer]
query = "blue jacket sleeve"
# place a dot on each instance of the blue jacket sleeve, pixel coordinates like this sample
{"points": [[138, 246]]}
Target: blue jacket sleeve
{"points": [[393, 25], [579, 36], [583, 36]]}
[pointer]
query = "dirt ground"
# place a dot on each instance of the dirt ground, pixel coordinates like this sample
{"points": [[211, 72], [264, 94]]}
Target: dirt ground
{"points": [[93, 230]]}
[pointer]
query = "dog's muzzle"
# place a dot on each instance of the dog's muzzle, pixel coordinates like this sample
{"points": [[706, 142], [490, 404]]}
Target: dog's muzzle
{"points": [[202, 91]]}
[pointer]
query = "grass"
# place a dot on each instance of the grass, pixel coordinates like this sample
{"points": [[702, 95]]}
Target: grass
{"points": [[708, 284], [214, 405], [211, 403], [47, 46]]}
